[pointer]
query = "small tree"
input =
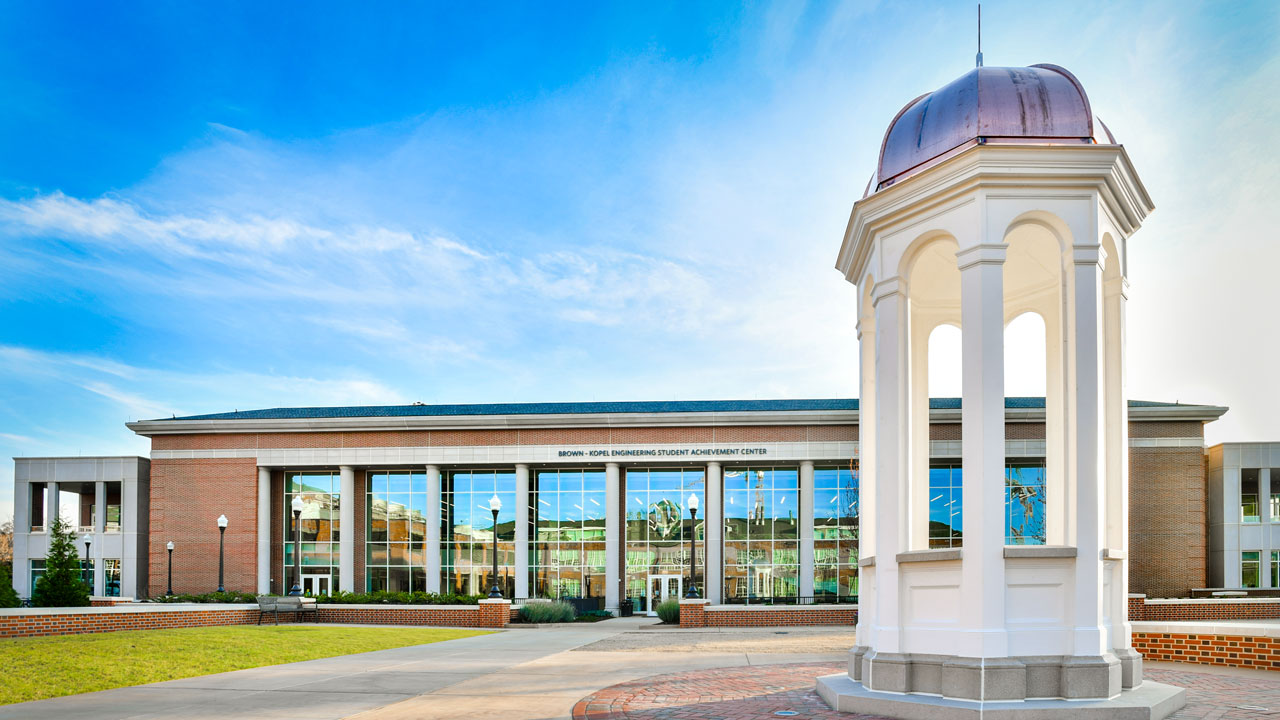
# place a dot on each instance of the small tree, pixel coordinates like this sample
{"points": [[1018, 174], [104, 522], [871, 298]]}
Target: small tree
{"points": [[8, 596], [61, 585]]}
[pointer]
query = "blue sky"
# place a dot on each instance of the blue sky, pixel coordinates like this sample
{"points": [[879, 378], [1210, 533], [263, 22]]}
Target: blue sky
{"points": [[217, 207]]}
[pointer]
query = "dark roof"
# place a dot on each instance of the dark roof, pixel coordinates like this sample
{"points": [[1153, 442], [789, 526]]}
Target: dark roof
{"points": [[659, 406]]}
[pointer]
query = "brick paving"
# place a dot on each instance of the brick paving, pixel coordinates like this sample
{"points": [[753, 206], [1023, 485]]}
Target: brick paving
{"points": [[758, 692]]}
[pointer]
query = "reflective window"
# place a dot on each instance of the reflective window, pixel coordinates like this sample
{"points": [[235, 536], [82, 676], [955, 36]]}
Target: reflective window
{"points": [[1249, 495], [395, 543], [1275, 569], [761, 539], [37, 514], [835, 533], [1024, 497], [37, 572], [468, 531], [111, 566], [659, 528], [318, 524], [946, 508], [1249, 570], [567, 511]]}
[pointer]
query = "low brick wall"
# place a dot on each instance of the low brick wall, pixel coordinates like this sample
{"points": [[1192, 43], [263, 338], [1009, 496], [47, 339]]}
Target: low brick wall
{"points": [[1205, 644], [78, 621], [1142, 608], [701, 614]]}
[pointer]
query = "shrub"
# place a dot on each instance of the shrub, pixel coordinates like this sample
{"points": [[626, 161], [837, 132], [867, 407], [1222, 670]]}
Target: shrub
{"points": [[669, 612], [546, 612], [594, 616], [8, 596], [382, 597], [61, 585]]}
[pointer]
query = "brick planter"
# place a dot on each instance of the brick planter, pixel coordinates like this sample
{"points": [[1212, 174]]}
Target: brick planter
{"points": [[1142, 608], [698, 613], [1244, 645]]}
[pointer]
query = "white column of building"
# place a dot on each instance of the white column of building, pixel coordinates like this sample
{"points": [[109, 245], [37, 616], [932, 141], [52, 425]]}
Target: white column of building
{"points": [[806, 529], [523, 498], [614, 579], [51, 509], [982, 620], [264, 530], [347, 523], [21, 534], [866, 454], [713, 538], [99, 527], [1117, 456], [893, 423], [1089, 461], [433, 528]]}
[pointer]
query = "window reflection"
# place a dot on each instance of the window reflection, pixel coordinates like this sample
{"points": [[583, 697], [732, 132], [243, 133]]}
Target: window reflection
{"points": [[467, 534], [835, 533], [567, 511], [761, 551], [396, 531], [318, 524], [659, 527]]}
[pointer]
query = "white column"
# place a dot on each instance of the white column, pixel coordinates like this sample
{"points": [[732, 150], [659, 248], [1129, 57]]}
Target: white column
{"points": [[523, 498], [866, 455], [100, 506], [982, 583], [21, 535], [713, 570], [1089, 461], [347, 522], [1117, 457], [51, 509], [806, 528], [99, 527], [433, 528], [893, 423], [613, 572], [264, 530]]}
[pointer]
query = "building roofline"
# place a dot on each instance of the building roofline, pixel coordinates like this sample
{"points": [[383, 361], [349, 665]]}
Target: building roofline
{"points": [[21, 458]]}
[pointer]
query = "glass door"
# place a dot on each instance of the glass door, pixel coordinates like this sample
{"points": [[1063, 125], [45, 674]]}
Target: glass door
{"points": [[315, 585], [663, 588]]}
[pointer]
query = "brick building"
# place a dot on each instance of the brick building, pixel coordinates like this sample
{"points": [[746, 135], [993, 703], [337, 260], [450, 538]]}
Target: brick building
{"points": [[594, 498]]}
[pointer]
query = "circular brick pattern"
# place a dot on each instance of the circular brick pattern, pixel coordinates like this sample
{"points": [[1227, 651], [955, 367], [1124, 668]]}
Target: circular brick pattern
{"points": [[776, 691]]}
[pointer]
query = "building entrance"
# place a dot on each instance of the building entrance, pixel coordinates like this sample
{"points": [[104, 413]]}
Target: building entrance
{"points": [[315, 585], [663, 588]]}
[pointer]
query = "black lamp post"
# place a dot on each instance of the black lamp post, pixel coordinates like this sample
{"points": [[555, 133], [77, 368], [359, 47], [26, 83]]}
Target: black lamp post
{"points": [[297, 545], [222, 533], [169, 547], [494, 506], [692, 592], [87, 562]]}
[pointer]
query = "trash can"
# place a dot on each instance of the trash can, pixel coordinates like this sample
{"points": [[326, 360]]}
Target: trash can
{"points": [[624, 608]]}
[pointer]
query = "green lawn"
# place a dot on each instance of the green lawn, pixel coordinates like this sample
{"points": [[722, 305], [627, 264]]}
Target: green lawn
{"points": [[39, 668]]}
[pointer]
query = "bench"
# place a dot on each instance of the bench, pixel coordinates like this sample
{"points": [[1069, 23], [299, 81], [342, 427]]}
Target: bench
{"points": [[289, 604]]}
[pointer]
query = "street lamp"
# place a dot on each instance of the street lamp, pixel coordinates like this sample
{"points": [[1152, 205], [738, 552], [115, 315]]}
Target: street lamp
{"points": [[692, 592], [494, 506], [169, 547], [222, 533], [87, 540], [297, 505]]}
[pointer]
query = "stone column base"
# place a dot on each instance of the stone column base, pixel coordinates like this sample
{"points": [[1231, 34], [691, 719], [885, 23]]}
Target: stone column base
{"points": [[1150, 701], [986, 679]]}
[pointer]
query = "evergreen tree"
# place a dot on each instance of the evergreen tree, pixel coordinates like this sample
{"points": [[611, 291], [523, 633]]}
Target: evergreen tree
{"points": [[8, 596], [61, 585]]}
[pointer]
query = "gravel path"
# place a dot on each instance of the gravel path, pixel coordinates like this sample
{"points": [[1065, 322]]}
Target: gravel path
{"points": [[769, 641]]}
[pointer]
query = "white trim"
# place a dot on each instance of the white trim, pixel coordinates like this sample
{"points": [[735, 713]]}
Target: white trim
{"points": [[1195, 442]]}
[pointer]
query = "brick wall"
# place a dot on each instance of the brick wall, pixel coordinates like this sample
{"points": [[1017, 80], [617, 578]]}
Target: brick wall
{"points": [[694, 614], [1168, 549], [187, 496], [1143, 609], [1234, 650]]}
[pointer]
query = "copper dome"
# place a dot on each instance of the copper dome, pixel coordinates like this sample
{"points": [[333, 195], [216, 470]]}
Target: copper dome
{"points": [[1041, 103]]}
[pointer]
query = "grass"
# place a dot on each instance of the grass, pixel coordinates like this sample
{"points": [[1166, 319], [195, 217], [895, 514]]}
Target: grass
{"points": [[45, 667]]}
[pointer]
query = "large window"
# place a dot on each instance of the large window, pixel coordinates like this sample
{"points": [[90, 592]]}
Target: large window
{"points": [[1249, 495], [1024, 502], [568, 514], [111, 568], [395, 548], [37, 572], [946, 508], [761, 539], [1249, 569], [467, 537], [1275, 568], [835, 533], [318, 523], [659, 528]]}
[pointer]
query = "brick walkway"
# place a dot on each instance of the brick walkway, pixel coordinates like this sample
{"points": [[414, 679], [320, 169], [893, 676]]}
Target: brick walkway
{"points": [[758, 692]]}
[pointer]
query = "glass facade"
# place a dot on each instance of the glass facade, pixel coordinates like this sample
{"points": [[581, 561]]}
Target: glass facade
{"points": [[946, 506], [835, 533], [1275, 568], [468, 530], [567, 555], [318, 523], [1024, 502], [1250, 569], [761, 533], [395, 546], [658, 528], [111, 580], [1249, 495]]}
